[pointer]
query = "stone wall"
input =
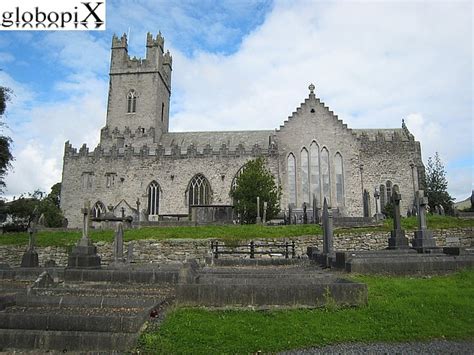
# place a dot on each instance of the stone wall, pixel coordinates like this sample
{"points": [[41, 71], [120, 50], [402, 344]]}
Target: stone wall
{"points": [[180, 250]]}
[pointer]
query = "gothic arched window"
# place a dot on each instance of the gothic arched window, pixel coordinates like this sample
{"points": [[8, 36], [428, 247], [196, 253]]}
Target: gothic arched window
{"points": [[339, 168], [153, 193], [315, 182], [132, 101], [325, 174], [199, 191], [305, 175], [98, 210], [291, 179]]}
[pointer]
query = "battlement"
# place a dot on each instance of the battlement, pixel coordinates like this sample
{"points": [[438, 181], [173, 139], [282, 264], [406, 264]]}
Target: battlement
{"points": [[154, 60], [174, 151]]}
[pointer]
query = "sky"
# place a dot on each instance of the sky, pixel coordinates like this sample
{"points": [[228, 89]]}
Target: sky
{"points": [[244, 65]]}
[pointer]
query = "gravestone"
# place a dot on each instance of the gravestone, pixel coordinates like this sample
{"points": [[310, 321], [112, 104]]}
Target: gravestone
{"points": [[118, 243], [265, 206], [315, 210], [327, 229], [423, 236], [326, 257], [259, 221], [290, 215], [305, 215], [378, 212], [30, 257], [138, 211], [84, 254], [397, 238]]}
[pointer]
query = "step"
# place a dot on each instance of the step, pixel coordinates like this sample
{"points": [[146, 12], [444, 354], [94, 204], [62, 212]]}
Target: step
{"points": [[65, 340]]}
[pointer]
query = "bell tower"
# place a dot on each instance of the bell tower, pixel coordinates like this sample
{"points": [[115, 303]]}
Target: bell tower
{"points": [[139, 89]]}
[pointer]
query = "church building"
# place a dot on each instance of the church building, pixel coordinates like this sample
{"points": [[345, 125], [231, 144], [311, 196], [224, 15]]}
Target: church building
{"points": [[312, 154]]}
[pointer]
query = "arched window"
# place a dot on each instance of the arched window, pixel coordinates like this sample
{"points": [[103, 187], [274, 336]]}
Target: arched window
{"points": [[132, 101], [199, 191], [98, 210], [291, 161], [153, 193], [325, 174], [339, 168], [388, 186], [315, 182], [305, 175], [383, 200]]}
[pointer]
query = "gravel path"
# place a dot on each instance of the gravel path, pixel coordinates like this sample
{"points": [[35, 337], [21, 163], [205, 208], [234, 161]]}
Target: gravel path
{"points": [[430, 347]]}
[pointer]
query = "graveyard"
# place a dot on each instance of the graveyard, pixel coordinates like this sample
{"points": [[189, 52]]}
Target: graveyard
{"points": [[143, 293]]}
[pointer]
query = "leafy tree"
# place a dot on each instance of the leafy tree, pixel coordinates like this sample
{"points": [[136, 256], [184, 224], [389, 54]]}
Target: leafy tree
{"points": [[437, 185], [23, 208], [255, 181], [5, 142]]}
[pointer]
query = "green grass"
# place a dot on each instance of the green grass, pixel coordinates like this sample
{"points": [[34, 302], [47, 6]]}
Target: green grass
{"points": [[225, 232], [399, 309]]}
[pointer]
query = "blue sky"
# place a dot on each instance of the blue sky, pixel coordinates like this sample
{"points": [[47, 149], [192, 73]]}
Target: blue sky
{"points": [[247, 65]]}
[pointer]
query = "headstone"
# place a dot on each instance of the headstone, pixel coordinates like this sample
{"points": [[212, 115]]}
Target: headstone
{"points": [[423, 237], [327, 229], [305, 215], [265, 205], [397, 238], [326, 257], [315, 210], [378, 211], [30, 257], [290, 215], [366, 203], [258, 211], [84, 254]]}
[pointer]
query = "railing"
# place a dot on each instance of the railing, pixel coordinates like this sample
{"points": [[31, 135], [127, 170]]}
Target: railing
{"points": [[252, 249]]}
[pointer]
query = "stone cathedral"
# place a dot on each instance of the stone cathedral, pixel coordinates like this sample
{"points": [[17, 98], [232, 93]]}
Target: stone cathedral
{"points": [[312, 154]]}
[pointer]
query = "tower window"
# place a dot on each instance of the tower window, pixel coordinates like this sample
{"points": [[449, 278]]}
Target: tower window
{"points": [[132, 101]]}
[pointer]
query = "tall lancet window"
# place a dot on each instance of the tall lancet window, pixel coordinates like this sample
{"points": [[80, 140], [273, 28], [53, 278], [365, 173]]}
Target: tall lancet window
{"points": [[339, 168], [153, 198], [291, 179], [98, 210], [132, 101], [325, 174], [305, 175], [199, 191], [315, 183]]}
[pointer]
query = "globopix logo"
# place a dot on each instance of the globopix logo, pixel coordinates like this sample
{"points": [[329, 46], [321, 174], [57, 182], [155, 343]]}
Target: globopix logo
{"points": [[52, 15]]}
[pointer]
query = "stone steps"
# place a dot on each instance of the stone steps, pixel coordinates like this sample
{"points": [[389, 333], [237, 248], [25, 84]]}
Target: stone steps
{"points": [[82, 316]]}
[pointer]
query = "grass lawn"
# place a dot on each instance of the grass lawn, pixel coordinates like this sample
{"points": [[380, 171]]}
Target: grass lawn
{"points": [[225, 232], [399, 309]]}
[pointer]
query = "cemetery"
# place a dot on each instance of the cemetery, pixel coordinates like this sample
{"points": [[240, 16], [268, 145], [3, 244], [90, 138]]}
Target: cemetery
{"points": [[90, 299]]}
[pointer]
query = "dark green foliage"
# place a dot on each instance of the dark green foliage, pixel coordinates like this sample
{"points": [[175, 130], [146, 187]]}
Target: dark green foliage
{"points": [[35, 204], [388, 210], [5, 142], [400, 309], [256, 181], [437, 185]]}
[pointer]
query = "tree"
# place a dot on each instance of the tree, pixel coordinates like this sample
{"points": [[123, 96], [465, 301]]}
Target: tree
{"points": [[22, 209], [255, 181], [437, 185], [5, 142]]}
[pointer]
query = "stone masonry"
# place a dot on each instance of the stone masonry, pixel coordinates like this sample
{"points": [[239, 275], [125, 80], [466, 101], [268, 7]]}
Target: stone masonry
{"points": [[137, 151]]}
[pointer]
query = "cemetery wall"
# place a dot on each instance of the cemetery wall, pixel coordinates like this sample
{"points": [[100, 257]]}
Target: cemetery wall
{"points": [[180, 250]]}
